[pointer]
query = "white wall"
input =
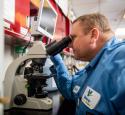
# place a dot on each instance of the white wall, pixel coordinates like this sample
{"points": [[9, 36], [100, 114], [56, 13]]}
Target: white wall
{"points": [[5, 55], [1, 53], [1, 39]]}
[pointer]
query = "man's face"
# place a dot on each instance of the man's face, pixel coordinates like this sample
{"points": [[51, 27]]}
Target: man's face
{"points": [[81, 43]]}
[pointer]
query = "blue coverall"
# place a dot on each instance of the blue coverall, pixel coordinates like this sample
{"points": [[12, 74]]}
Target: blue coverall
{"points": [[99, 88]]}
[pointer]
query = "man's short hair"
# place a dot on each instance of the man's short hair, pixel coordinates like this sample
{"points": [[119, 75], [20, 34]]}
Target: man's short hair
{"points": [[89, 21]]}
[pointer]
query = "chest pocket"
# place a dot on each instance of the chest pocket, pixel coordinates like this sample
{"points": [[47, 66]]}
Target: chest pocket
{"points": [[88, 101], [90, 97]]}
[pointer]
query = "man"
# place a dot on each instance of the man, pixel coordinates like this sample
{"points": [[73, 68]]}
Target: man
{"points": [[99, 88]]}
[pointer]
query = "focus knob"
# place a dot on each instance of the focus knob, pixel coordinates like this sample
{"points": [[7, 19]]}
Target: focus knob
{"points": [[20, 99]]}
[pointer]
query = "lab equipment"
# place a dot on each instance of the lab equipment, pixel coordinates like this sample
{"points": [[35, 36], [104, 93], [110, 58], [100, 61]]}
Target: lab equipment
{"points": [[56, 47], [25, 81], [45, 22]]}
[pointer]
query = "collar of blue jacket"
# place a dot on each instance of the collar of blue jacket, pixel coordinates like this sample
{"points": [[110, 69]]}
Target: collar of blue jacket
{"points": [[95, 60]]}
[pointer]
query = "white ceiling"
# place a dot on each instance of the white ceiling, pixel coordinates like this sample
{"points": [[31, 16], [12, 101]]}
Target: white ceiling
{"points": [[113, 9]]}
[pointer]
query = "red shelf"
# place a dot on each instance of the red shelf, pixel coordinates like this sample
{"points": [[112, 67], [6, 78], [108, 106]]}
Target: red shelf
{"points": [[17, 35]]}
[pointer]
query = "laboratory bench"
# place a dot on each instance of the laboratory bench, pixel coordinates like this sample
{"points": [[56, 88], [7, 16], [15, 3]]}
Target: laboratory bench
{"points": [[61, 106]]}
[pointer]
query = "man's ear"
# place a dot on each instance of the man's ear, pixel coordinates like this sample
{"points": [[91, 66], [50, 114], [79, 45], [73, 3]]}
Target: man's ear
{"points": [[94, 35]]}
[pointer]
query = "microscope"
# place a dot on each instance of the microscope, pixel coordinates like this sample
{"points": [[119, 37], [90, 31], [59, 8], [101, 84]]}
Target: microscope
{"points": [[25, 81]]}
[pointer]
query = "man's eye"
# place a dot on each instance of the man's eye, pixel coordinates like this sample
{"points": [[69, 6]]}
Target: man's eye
{"points": [[73, 37]]}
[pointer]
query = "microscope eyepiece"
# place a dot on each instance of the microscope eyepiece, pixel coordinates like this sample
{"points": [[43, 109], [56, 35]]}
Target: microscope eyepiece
{"points": [[55, 47]]}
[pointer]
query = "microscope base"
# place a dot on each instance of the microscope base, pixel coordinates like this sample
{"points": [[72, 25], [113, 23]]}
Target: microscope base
{"points": [[35, 103]]}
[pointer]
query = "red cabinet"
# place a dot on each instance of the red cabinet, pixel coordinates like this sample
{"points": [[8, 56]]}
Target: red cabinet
{"points": [[62, 26], [20, 26]]}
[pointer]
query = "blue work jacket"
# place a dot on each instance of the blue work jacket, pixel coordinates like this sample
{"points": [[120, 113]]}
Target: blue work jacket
{"points": [[99, 88]]}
